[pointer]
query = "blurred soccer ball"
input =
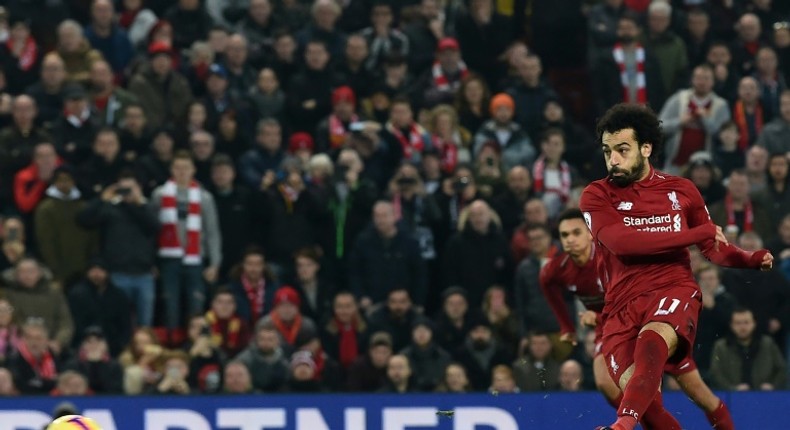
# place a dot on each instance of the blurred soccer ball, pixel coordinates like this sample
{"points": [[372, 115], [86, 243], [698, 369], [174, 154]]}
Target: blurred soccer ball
{"points": [[73, 422]]}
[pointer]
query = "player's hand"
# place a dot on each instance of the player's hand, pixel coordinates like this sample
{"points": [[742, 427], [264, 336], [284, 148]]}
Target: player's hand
{"points": [[720, 238], [588, 318], [767, 263], [568, 338]]}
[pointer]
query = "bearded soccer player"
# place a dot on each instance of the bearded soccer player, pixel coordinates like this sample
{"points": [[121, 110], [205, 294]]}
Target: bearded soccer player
{"points": [[643, 221], [575, 270]]}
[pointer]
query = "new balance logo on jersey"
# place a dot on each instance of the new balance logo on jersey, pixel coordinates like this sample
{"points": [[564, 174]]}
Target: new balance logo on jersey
{"points": [[625, 206], [673, 197], [613, 364]]}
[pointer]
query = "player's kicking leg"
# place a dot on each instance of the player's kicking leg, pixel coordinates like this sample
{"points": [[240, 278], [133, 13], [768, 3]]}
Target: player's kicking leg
{"points": [[604, 382], [715, 409], [657, 341]]}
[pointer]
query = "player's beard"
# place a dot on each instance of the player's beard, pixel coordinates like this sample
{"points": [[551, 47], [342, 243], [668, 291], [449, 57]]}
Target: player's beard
{"points": [[629, 176]]}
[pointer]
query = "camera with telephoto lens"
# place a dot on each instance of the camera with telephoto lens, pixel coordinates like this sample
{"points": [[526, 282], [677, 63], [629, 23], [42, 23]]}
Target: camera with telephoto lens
{"points": [[460, 184]]}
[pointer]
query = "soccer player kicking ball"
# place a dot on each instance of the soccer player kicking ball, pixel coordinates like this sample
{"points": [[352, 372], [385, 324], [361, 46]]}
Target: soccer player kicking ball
{"points": [[575, 270], [644, 220]]}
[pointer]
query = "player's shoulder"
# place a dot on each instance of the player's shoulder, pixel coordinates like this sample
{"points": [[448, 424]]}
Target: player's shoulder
{"points": [[595, 189], [554, 265]]}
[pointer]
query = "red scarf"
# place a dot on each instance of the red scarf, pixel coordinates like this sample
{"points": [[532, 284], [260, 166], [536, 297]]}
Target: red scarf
{"points": [[413, 142], [440, 80], [225, 333], [29, 54], [287, 331], [127, 18], [348, 347], [748, 214], [449, 152], [641, 90], [538, 171], [169, 244], [337, 131], [320, 362], [739, 115], [44, 366], [256, 294], [693, 136]]}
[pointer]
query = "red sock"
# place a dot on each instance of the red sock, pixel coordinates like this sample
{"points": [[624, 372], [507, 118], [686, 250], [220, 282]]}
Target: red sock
{"points": [[616, 402], [720, 418], [650, 355], [656, 417]]}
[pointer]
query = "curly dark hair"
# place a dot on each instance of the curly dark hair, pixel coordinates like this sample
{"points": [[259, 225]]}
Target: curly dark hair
{"points": [[640, 118]]}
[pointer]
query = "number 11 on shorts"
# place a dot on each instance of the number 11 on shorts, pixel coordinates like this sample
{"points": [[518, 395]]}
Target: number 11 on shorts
{"points": [[672, 307]]}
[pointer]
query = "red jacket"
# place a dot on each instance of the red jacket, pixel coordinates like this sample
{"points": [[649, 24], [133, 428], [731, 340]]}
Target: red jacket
{"points": [[28, 189]]}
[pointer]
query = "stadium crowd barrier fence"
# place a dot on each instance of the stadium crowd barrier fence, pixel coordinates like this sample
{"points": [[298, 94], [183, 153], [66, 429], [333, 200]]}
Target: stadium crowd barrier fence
{"points": [[750, 410]]}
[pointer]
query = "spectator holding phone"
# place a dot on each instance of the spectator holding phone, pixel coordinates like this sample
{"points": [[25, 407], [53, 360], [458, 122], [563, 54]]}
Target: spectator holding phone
{"points": [[13, 242]]}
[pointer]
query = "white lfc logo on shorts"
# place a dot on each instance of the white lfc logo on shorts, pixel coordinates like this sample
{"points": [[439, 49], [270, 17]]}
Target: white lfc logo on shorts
{"points": [[613, 364]]}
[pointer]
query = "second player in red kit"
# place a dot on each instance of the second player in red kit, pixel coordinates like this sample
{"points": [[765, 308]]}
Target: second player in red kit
{"points": [[643, 221]]}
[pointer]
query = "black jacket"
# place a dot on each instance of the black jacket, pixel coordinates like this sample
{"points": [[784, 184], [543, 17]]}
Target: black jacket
{"points": [[96, 174], [398, 328], [479, 375], [108, 309], [104, 377], [236, 222], [128, 234], [608, 89], [310, 85], [427, 365], [26, 380], [377, 266], [476, 262], [290, 226]]}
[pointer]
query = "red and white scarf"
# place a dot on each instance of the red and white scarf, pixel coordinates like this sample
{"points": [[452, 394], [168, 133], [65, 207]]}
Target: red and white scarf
{"points": [[256, 294], [44, 366], [641, 89], [169, 244], [539, 171], [28, 55], [337, 131], [440, 80], [449, 152], [748, 214], [414, 142]]}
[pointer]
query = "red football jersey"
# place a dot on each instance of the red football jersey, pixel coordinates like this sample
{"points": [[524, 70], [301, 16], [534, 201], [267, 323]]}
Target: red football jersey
{"points": [[643, 231], [561, 273]]}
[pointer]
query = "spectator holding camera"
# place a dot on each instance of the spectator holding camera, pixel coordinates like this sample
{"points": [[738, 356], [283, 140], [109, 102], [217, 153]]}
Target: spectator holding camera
{"points": [[416, 213], [127, 233], [456, 193]]}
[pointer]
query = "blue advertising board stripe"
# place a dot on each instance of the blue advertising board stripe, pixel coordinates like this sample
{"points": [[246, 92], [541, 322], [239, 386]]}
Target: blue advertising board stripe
{"points": [[559, 411]]}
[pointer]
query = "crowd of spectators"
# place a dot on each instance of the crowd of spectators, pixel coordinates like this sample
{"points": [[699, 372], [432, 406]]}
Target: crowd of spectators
{"points": [[240, 196]]}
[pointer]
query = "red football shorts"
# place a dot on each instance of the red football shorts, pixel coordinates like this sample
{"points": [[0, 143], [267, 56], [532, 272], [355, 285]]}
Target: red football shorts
{"points": [[599, 336], [678, 306]]}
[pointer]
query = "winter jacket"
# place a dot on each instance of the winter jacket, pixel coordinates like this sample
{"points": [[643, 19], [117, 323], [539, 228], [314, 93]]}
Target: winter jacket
{"points": [[518, 150], [165, 100], [116, 48], [269, 372], [45, 300], [670, 50], [79, 63], [64, 245], [108, 309], [254, 164], [775, 136], [427, 365], [763, 357], [476, 261]]}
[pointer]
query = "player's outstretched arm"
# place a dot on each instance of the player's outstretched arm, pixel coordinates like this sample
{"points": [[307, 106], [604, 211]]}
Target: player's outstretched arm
{"points": [[553, 294], [608, 228], [723, 253]]}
